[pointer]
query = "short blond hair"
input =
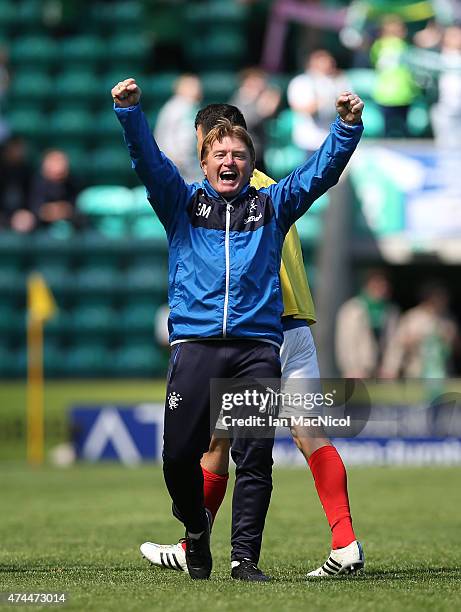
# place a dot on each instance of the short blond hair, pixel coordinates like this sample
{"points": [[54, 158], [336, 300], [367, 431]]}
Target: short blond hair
{"points": [[225, 128]]}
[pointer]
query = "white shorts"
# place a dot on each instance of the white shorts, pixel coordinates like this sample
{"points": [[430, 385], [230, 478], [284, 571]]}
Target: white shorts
{"points": [[298, 355], [298, 358]]}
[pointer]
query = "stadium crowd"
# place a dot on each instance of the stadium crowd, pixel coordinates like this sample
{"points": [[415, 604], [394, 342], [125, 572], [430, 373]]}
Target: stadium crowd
{"points": [[374, 339], [407, 65], [422, 68]]}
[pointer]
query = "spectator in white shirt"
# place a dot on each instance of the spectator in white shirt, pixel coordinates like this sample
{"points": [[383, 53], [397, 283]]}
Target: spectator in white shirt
{"points": [[174, 130], [311, 96], [446, 113]]}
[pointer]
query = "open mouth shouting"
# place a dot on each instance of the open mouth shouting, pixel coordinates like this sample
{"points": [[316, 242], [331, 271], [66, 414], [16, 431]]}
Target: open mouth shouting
{"points": [[228, 165], [228, 176]]}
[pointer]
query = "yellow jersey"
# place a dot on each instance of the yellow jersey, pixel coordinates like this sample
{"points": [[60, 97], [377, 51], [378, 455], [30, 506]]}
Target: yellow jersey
{"points": [[297, 298]]}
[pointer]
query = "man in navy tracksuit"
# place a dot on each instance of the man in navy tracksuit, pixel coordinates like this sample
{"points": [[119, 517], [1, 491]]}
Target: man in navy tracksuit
{"points": [[225, 240]]}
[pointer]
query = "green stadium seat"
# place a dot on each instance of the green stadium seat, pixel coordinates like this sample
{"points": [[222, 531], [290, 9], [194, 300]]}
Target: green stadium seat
{"points": [[98, 280], [10, 261], [144, 222], [53, 359], [218, 86], [70, 126], [60, 325], [12, 282], [29, 123], [151, 256], [31, 85], [107, 128], [93, 318], [105, 200], [89, 103], [137, 317], [34, 51], [229, 13], [82, 50], [12, 319], [147, 226], [17, 366], [100, 301], [148, 279], [111, 165], [57, 275], [87, 359], [75, 85], [128, 49], [39, 242], [7, 14], [106, 254], [94, 306], [62, 230], [140, 203], [223, 50], [94, 250], [12, 251], [139, 359], [52, 363], [28, 14], [122, 16]]}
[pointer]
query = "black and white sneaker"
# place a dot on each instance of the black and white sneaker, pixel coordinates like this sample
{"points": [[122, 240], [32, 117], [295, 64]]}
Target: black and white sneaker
{"points": [[168, 556], [198, 556], [247, 570], [347, 560]]}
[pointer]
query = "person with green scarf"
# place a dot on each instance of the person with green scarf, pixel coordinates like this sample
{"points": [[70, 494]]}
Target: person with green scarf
{"points": [[365, 327]]}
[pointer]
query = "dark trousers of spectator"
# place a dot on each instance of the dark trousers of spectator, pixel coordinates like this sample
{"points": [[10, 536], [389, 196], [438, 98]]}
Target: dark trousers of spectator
{"points": [[189, 422]]}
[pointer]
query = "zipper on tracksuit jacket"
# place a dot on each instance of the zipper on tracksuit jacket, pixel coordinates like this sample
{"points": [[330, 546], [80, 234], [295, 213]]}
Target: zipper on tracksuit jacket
{"points": [[227, 252]]}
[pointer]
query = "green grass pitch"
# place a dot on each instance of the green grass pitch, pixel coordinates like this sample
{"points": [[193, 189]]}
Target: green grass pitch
{"points": [[78, 530]]}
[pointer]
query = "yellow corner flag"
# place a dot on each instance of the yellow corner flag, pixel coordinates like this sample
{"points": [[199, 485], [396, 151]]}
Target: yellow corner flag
{"points": [[40, 301], [40, 307]]}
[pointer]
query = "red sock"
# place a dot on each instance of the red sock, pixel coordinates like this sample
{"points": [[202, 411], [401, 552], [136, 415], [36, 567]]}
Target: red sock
{"points": [[214, 489], [331, 483]]}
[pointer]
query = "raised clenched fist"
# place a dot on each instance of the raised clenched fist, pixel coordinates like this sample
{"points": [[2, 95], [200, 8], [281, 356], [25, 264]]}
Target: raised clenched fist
{"points": [[126, 93], [349, 107]]}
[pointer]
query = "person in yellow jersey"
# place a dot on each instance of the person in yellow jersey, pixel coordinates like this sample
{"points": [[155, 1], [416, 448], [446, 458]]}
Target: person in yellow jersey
{"points": [[299, 361]]}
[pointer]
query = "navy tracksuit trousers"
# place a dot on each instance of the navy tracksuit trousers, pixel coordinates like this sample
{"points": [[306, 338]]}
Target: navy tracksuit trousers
{"points": [[187, 435]]}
